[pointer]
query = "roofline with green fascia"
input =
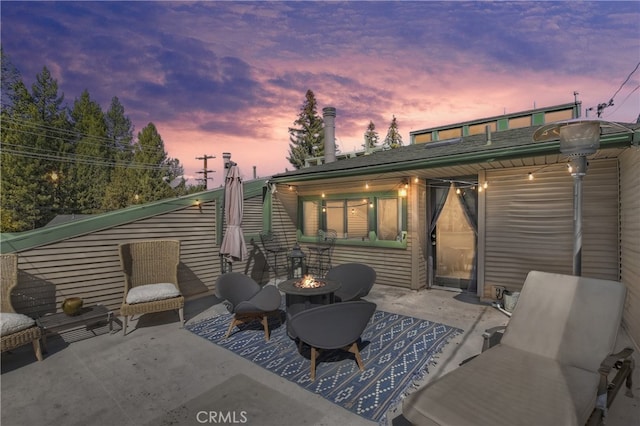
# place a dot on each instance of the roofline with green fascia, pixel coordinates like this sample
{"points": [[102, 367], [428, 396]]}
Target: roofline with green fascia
{"points": [[16, 242], [551, 147]]}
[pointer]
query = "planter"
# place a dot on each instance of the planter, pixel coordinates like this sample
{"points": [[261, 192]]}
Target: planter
{"points": [[72, 306]]}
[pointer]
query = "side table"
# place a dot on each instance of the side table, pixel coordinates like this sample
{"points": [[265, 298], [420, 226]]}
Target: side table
{"points": [[89, 315]]}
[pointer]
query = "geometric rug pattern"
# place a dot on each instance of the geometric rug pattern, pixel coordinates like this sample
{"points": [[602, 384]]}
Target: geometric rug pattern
{"points": [[396, 351]]}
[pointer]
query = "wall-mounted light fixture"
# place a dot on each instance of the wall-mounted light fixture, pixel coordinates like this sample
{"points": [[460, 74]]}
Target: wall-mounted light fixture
{"points": [[403, 189], [199, 205]]}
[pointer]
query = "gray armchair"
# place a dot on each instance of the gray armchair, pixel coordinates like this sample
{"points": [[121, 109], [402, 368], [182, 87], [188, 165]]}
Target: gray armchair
{"points": [[550, 367], [247, 300], [357, 279], [335, 326]]}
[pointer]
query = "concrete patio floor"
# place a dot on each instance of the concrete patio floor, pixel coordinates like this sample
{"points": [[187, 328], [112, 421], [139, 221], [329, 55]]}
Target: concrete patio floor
{"points": [[161, 374]]}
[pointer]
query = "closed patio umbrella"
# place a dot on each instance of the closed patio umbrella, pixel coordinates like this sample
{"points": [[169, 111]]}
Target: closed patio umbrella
{"points": [[233, 247]]}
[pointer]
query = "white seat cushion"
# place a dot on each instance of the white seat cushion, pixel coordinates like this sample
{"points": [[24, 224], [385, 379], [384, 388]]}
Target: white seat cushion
{"points": [[12, 323], [152, 292]]}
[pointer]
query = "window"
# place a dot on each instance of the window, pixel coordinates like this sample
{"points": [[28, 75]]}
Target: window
{"points": [[388, 223], [377, 219]]}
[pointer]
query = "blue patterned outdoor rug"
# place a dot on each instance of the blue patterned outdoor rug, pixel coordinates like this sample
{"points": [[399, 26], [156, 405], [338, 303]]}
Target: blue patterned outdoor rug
{"points": [[396, 351]]}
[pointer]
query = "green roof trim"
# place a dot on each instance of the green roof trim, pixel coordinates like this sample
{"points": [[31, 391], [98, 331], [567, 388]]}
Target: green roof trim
{"points": [[509, 144], [16, 242]]}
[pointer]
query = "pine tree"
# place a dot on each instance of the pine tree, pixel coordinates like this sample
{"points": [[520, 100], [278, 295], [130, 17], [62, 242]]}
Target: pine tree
{"points": [[120, 133], [94, 155], [35, 140], [393, 139], [371, 137], [10, 76], [307, 137], [150, 167]]}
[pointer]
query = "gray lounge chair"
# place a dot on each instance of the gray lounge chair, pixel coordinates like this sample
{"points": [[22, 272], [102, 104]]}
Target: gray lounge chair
{"points": [[247, 300], [551, 366], [357, 279], [335, 326]]}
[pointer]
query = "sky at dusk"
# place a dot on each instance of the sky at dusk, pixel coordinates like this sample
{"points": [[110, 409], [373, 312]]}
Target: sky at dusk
{"points": [[220, 77]]}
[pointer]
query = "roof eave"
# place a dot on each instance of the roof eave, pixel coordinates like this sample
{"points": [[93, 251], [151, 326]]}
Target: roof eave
{"points": [[480, 156]]}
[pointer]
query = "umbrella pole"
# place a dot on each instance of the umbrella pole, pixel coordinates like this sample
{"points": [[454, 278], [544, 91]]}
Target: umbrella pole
{"points": [[224, 265]]}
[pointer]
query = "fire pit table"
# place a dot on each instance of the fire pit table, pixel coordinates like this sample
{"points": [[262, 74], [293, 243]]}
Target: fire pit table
{"points": [[319, 292]]}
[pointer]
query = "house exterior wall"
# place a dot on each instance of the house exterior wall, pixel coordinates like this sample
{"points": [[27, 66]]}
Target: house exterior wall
{"points": [[529, 224], [630, 238], [394, 266]]}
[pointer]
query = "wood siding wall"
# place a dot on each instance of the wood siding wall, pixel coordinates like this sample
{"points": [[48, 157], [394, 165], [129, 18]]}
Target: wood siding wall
{"points": [[529, 224], [630, 238], [88, 266]]}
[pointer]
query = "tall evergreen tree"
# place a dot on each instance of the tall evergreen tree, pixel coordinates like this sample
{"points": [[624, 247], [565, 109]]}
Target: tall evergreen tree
{"points": [[93, 155], [120, 133], [371, 137], [306, 138], [35, 143], [150, 167], [10, 76], [394, 138]]}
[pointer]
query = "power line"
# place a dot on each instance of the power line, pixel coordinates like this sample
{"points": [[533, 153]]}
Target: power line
{"points": [[625, 81], [600, 107], [68, 136], [88, 160]]}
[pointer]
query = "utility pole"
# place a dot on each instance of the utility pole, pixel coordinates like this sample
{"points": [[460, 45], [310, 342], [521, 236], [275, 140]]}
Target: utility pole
{"points": [[205, 170]]}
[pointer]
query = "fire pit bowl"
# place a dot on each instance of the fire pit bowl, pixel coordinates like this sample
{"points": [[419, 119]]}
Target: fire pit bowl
{"points": [[308, 281]]}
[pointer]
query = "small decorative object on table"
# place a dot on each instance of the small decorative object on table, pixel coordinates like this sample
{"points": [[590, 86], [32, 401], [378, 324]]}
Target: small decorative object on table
{"points": [[72, 306]]}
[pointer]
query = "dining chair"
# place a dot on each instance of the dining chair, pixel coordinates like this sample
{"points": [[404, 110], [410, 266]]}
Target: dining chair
{"points": [[274, 249], [322, 252]]}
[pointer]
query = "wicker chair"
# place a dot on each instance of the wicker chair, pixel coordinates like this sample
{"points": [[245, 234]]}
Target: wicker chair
{"points": [[31, 334], [150, 278]]}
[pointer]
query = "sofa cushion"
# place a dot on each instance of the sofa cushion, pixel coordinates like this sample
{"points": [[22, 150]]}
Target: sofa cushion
{"points": [[12, 322], [152, 292], [506, 386]]}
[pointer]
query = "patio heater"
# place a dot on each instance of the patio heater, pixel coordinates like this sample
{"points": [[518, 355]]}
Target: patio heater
{"points": [[297, 268], [579, 138]]}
